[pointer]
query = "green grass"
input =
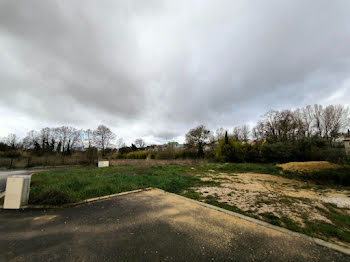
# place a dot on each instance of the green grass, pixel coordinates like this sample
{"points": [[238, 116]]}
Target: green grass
{"points": [[271, 218], [328, 177], [58, 187], [341, 223]]}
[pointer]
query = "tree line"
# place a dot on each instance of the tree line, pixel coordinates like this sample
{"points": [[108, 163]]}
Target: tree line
{"points": [[61, 139], [286, 133]]}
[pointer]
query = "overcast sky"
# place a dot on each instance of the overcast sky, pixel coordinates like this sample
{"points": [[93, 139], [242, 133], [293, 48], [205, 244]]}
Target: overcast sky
{"points": [[155, 69]]}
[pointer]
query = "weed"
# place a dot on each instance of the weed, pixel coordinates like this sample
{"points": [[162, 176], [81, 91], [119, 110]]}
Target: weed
{"points": [[210, 197], [191, 194], [290, 223], [271, 218]]}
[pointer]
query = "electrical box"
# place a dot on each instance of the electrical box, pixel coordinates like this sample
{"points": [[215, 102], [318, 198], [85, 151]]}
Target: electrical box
{"points": [[103, 163], [17, 192]]}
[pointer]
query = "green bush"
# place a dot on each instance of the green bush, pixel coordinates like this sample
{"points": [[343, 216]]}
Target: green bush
{"points": [[229, 150], [165, 154], [278, 152], [186, 153], [137, 155]]}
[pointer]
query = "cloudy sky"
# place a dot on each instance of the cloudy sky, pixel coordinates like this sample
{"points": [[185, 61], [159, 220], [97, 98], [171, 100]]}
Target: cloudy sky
{"points": [[156, 68]]}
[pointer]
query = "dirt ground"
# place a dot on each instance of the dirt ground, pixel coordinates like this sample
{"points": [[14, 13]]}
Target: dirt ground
{"points": [[308, 166], [262, 193]]}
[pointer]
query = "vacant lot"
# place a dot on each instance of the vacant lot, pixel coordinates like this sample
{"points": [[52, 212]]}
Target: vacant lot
{"points": [[300, 201]]}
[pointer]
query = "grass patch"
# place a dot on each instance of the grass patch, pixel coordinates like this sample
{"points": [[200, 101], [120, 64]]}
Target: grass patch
{"points": [[340, 219], [241, 168], [58, 187], [337, 177], [191, 194], [271, 218], [70, 185], [325, 231], [290, 224], [213, 201]]}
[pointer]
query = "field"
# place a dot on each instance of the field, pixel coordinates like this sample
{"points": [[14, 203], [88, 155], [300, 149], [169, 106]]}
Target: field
{"points": [[302, 201]]}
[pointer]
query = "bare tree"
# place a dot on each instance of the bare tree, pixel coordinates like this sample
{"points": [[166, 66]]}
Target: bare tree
{"points": [[259, 132], [67, 137], [103, 137], [198, 137], [31, 141], [12, 141], [289, 125], [72, 137], [307, 118], [220, 134], [89, 137], [140, 143], [241, 133], [245, 132], [236, 134], [317, 115], [334, 119]]}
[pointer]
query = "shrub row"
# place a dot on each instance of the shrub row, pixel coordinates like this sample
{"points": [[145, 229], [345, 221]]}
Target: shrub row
{"points": [[278, 152]]}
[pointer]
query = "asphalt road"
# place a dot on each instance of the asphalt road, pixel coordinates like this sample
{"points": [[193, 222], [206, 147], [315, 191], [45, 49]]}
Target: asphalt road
{"points": [[147, 226]]}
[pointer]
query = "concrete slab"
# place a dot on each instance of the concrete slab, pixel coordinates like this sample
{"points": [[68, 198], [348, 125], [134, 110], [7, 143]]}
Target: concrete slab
{"points": [[147, 226]]}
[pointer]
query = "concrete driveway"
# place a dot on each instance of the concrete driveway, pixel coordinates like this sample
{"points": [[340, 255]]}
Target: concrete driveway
{"points": [[147, 226]]}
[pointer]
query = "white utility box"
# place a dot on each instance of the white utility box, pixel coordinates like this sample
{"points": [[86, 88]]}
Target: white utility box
{"points": [[103, 163], [17, 192]]}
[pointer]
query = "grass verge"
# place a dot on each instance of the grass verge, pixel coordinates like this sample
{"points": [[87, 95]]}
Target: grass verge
{"points": [[59, 187]]}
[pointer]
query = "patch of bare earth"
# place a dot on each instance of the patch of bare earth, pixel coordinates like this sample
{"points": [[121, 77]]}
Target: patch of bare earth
{"points": [[308, 166], [260, 193]]}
